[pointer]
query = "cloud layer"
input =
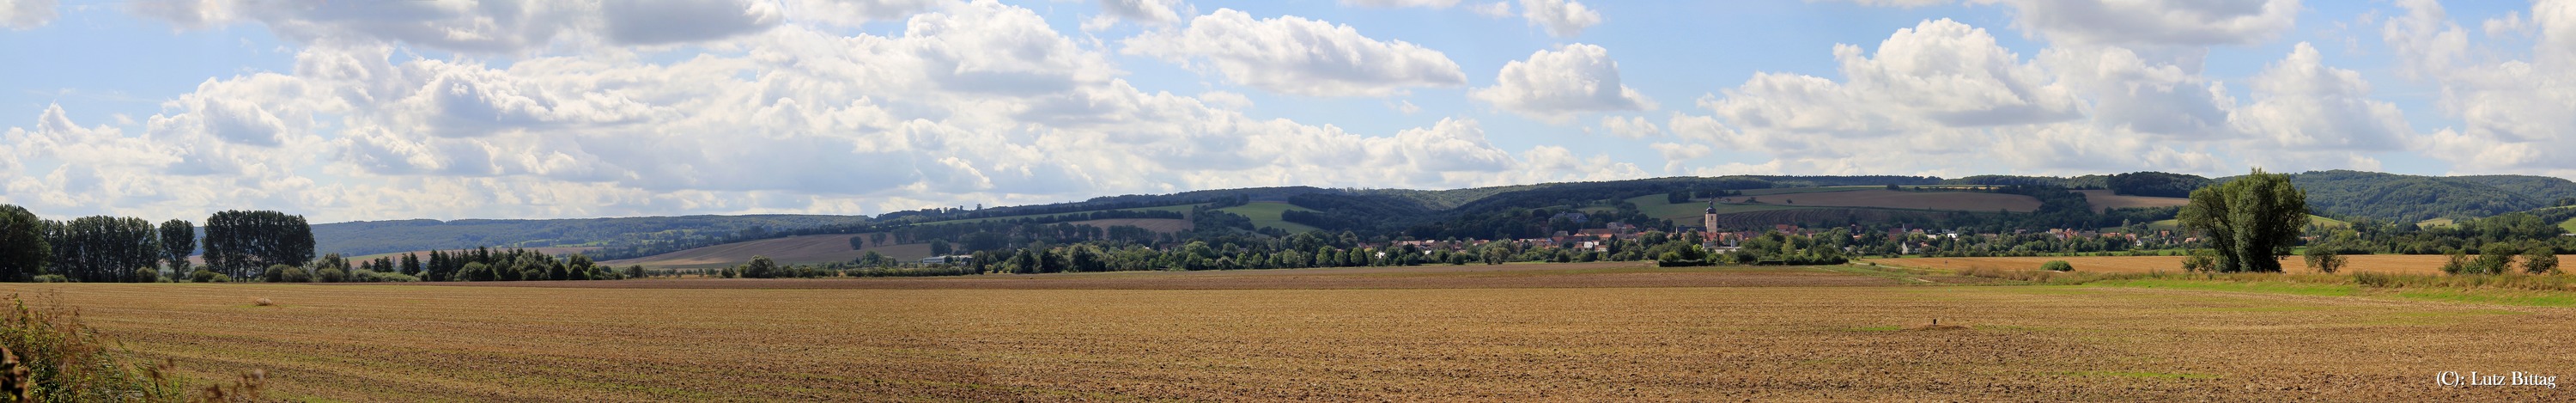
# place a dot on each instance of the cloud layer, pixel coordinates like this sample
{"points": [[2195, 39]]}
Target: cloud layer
{"points": [[968, 103], [579, 109]]}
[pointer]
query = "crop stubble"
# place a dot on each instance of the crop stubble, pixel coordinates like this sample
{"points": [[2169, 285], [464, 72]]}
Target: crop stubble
{"points": [[1683, 343]]}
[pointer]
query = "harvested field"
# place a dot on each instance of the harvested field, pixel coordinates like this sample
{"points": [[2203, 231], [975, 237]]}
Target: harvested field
{"points": [[791, 250], [2104, 200], [2395, 264], [416, 343], [1882, 198], [1265, 214]]}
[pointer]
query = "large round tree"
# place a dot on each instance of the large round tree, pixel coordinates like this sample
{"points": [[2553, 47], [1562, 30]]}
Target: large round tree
{"points": [[2251, 221]]}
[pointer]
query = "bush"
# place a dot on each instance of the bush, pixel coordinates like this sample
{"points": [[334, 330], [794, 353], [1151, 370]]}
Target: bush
{"points": [[286, 274], [2200, 262], [2057, 266], [2324, 259], [395, 278], [147, 275], [51, 356], [207, 276], [2459, 264], [330, 275], [2540, 260], [53, 278]]}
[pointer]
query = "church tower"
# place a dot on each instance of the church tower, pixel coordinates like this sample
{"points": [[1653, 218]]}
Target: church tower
{"points": [[1708, 220]]}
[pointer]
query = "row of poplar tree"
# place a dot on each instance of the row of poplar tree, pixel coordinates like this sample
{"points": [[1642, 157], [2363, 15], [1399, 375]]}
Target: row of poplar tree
{"points": [[239, 244]]}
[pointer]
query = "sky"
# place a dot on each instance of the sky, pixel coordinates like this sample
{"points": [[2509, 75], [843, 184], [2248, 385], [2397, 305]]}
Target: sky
{"points": [[346, 110]]}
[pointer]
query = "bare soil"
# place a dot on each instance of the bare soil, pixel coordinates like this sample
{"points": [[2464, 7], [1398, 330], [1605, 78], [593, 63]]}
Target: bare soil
{"points": [[2018, 343], [2104, 200], [1882, 198]]}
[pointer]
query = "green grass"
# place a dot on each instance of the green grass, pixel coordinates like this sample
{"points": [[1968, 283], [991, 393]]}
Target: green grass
{"points": [[1185, 209], [2569, 225], [1266, 215]]}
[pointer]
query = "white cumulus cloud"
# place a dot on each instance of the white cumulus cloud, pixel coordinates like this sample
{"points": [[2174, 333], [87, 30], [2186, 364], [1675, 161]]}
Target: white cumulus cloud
{"points": [[27, 14], [1299, 56], [1553, 85], [1561, 18]]}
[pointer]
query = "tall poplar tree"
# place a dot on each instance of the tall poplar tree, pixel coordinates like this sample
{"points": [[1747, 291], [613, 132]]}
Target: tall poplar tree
{"points": [[178, 240]]}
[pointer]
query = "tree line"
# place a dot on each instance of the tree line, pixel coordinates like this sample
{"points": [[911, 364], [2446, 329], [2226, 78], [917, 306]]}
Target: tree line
{"points": [[241, 246], [127, 249]]}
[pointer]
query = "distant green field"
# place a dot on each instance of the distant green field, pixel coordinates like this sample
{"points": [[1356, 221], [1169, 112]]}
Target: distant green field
{"points": [[2570, 225], [1266, 214], [1184, 209]]}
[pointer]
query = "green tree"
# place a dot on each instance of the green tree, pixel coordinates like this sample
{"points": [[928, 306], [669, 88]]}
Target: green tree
{"points": [[411, 264], [939, 247], [760, 267], [178, 240], [103, 248], [23, 250], [475, 271], [2494, 258], [2252, 221], [2057, 265]]}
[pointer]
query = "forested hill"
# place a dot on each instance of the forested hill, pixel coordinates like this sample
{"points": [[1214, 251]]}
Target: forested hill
{"points": [[2542, 188], [372, 237], [2412, 198]]}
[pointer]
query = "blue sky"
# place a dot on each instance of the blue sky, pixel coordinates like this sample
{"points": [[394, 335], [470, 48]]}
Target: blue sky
{"points": [[463, 109]]}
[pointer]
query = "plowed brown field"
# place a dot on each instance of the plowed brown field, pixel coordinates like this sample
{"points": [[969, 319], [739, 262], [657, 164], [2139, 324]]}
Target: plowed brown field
{"points": [[1959, 201], [1783, 342], [2103, 200], [2395, 264]]}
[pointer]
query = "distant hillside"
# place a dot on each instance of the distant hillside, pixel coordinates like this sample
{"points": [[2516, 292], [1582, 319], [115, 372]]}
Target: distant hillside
{"points": [[373, 237], [2411, 198], [2542, 188]]}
